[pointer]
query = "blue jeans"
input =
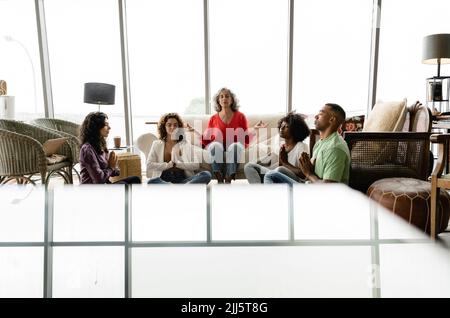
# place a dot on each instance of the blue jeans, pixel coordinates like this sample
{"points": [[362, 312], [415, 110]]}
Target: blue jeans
{"points": [[278, 177], [255, 173], [202, 177], [232, 157]]}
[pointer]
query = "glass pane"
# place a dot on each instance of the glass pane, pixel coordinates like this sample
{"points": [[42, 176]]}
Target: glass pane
{"points": [[248, 52], [230, 272], [166, 55], [340, 214], [401, 73], [331, 54], [169, 213], [255, 212], [391, 226], [414, 270], [22, 214], [88, 272], [89, 213], [19, 57], [84, 52], [21, 272]]}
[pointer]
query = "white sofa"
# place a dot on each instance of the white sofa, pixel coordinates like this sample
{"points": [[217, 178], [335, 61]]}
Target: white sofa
{"points": [[261, 146]]}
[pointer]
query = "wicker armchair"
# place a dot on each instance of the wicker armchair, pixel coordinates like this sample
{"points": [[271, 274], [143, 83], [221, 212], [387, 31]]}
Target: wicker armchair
{"points": [[59, 125], [379, 155], [65, 128], [22, 154]]}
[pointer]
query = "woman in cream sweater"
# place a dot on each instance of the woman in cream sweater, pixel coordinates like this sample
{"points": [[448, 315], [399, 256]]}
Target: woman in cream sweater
{"points": [[172, 159]]}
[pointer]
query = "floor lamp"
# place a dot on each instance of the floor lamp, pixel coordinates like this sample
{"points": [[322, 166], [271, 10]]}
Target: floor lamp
{"points": [[8, 38]]}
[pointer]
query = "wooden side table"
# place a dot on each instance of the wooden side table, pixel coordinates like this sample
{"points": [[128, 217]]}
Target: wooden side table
{"points": [[129, 165], [442, 123]]}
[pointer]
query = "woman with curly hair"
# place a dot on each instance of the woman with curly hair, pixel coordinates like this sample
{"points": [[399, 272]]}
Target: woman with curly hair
{"points": [[293, 129], [97, 164], [226, 136], [171, 158]]}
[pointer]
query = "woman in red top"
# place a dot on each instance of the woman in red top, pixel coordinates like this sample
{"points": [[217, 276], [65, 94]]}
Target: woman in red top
{"points": [[226, 136]]}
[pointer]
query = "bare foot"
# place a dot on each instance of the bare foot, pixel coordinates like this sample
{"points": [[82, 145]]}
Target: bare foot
{"points": [[219, 176]]}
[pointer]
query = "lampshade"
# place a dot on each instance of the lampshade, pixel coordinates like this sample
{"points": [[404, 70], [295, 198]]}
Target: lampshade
{"points": [[99, 93], [435, 47]]}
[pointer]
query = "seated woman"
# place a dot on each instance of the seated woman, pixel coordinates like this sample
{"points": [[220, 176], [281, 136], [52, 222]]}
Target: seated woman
{"points": [[226, 136], [172, 159], [293, 129], [97, 164]]}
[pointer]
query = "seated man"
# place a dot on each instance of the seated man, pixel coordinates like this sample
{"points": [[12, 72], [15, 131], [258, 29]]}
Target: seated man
{"points": [[331, 158]]}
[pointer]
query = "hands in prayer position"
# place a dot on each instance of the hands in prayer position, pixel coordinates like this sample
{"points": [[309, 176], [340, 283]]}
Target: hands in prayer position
{"points": [[305, 165], [112, 160], [283, 157], [260, 124]]}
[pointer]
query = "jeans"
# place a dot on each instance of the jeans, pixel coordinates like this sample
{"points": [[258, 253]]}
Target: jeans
{"points": [[202, 177], [279, 177], [255, 173], [232, 157]]}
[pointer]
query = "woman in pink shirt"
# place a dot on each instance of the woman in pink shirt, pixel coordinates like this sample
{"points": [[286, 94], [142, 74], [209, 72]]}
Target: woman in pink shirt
{"points": [[226, 136]]}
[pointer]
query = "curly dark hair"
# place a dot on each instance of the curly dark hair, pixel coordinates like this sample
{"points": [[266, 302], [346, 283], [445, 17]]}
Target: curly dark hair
{"points": [[90, 131], [298, 128], [234, 106], [162, 126]]}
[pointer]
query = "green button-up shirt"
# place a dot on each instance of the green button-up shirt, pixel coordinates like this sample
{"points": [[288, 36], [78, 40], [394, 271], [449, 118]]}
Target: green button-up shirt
{"points": [[332, 159]]}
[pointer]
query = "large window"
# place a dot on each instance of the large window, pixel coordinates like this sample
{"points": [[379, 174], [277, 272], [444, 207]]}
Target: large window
{"points": [[401, 73], [331, 54], [165, 40], [84, 46], [248, 49], [19, 57]]}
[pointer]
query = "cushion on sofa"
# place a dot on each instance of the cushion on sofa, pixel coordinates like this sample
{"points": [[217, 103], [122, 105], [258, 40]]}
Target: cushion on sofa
{"points": [[51, 146], [386, 116], [354, 123]]}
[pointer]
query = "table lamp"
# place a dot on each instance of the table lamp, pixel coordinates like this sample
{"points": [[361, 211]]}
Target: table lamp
{"points": [[436, 50], [99, 93]]}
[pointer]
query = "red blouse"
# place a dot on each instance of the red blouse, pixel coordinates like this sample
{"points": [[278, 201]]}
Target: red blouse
{"points": [[235, 131]]}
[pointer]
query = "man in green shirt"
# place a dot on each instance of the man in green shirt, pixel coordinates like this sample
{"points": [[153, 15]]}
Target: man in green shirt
{"points": [[331, 158]]}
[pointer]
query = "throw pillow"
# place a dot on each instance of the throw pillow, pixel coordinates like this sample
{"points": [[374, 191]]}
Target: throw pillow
{"points": [[51, 146], [53, 159], [386, 116], [355, 123]]}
